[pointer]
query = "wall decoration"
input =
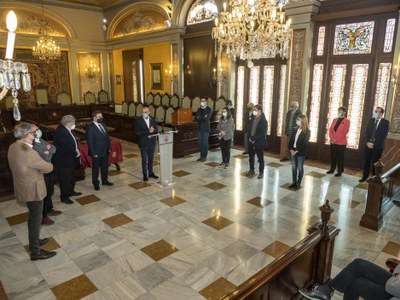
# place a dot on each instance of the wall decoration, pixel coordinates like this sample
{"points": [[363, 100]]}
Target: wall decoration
{"points": [[202, 11], [87, 80], [118, 79], [156, 79], [296, 75], [354, 38]]}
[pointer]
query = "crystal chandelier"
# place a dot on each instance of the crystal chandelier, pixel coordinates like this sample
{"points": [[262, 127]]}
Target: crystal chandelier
{"points": [[253, 29], [13, 75], [92, 71], [46, 48]]}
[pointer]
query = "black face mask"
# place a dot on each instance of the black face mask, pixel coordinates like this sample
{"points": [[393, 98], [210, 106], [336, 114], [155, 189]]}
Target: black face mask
{"points": [[100, 120]]}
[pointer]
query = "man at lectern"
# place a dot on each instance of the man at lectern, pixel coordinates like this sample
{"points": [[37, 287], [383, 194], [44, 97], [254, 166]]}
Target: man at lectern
{"points": [[145, 126]]}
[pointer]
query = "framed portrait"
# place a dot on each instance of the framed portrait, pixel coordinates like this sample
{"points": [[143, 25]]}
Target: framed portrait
{"points": [[118, 79], [156, 76]]}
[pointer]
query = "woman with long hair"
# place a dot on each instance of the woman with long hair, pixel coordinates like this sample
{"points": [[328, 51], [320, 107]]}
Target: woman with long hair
{"points": [[226, 130], [298, 148]]}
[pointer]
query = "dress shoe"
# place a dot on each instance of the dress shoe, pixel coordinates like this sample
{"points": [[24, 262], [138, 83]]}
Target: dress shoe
{"points": [[250, 173], [298, 186], [97, 188], [108, 183], [330, 171], [145, 178], [43, 254], [322, 292], [76, 193], [153, 176], [43, 241], [47, 221], [292, 186], [199, 159], [54, 212], [67, 201], [363, 179], [338, 174], [260, 176], [203, 159]]}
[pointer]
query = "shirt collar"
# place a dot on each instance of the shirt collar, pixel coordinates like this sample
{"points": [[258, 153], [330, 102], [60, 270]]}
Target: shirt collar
{"points": [[30, 145]]}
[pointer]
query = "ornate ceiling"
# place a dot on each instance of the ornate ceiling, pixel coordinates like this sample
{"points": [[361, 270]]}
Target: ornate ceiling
{"points": [[96, 3]]}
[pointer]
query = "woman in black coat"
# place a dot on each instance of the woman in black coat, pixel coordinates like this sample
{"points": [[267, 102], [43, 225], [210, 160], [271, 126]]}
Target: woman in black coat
{"points": [[298, 149], [257, 131]]}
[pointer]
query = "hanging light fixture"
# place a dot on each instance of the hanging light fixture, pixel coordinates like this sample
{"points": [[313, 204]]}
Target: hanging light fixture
{"points": [[253, 29], [46, 48]]}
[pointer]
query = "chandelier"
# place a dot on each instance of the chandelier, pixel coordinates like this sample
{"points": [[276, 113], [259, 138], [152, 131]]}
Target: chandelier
{"points": [[46, 48], [253, 29], [92, 71]]}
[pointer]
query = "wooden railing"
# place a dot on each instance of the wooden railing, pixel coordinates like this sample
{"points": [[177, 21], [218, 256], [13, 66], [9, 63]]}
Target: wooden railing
{"points": [[382, 190], [309, 261]]}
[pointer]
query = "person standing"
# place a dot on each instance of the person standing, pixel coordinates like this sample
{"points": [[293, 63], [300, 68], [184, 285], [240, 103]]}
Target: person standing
{"points": [[145, 126], [375, 135], [226, 130], [257, 131], [298, 150], [291, 117], [27, 169], [66, 158], [247, 116], [99, 147], [338, 139], [203, 117], [46, 152], [232, 111]]}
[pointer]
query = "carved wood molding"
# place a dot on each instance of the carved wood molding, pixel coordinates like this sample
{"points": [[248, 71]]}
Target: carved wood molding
{"points": [[297, 60]]}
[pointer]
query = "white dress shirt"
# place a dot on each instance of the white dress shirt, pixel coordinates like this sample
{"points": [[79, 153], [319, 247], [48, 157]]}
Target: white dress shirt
{"points": [[297, 136], [147, 120]]}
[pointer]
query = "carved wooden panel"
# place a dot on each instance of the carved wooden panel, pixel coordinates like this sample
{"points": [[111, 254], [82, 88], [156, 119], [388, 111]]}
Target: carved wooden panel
{"points": [[296, 72]]}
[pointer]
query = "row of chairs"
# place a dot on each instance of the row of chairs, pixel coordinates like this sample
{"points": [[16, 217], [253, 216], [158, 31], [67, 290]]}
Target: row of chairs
{"points": [[162, 114], [90, 98], [174, 101]]}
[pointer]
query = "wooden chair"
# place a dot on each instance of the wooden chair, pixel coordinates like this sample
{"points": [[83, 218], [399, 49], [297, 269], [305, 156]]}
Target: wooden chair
{"points": [[125, 108], [186, 102], [165, 100], [220, 103], [64, 99], [174, 102], [103, 97], [195, 104], [168, 115], [152, 110], [160, 117], [42, 97], [139, 107], [157, 100], [131, 109], [149, 99], [89, 98]]}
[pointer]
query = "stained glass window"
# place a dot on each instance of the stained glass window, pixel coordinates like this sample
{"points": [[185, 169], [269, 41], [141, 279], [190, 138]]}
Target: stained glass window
{"points": [[358, 85], [382, 84], [254, 84], [202, 11], [389, 35], [240, 98], [316, 101], [321, 40], [338, 77], [282, 90], [268, 93], [354, 38]]}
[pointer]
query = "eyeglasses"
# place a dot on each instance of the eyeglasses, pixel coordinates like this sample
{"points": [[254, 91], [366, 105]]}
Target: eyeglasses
{"points": [[33, 132]]}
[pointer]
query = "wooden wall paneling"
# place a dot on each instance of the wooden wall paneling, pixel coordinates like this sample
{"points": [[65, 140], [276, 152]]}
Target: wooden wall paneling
{"points": [[128, 59]]}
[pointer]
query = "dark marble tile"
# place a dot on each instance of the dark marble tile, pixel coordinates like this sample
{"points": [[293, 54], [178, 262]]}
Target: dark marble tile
{"points": [[217, 222], [139, 185], [173, 201], [76, 288], [117, 220], [7, 198], [181, 173], [18, 219], [215, 186], [87, 199], [350, 204], [159, 250], [392, 248], [218, 289], [258, 202], [276, 249]]}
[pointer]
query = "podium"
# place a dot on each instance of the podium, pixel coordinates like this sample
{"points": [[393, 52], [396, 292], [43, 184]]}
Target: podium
{"points": [[182, 116], [165, 152]]}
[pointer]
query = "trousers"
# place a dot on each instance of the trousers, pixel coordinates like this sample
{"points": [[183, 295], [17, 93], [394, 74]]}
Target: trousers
{"points": [[337, 157], [260, 155], [225, 150], [35, 209]]}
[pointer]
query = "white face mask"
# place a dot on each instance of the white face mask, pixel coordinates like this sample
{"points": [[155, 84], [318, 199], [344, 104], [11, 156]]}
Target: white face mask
{"points": [[298, 122], [255, 113], [224, 114], [202, 104], [145, 115], [73, 127]]}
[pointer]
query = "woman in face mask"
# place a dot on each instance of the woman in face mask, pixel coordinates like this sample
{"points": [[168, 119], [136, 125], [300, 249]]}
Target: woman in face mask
{"points": [[226, 130], [257, 132], [298, 148]]}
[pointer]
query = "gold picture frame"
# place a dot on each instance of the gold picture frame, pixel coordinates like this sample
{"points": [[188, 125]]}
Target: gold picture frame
{"points": [[156, 76]]}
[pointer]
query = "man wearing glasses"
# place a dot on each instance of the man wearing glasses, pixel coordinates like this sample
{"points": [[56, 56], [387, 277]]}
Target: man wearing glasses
{"points": [[27, 168]]}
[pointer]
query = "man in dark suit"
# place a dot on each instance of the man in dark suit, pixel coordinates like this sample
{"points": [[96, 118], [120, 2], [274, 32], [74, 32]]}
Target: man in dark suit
{"points": [[145, 126], [99, 146], [203, 117], [66, 157], [375, 135]]}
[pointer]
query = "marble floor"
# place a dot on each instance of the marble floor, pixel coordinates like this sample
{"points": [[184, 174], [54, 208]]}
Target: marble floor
{"points": [[196, 239]]}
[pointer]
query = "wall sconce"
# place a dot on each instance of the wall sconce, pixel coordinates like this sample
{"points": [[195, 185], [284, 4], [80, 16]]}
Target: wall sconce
{"points": [[104, 26], [219, 77], [169, 74], [395, 79], [92, 71], [188, 72]]}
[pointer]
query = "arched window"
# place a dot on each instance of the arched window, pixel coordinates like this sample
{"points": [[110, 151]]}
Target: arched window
{"points": [[202, 11]]}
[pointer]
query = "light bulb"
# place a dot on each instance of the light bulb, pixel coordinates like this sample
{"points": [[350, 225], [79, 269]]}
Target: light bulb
{"points": [[11, 21]]}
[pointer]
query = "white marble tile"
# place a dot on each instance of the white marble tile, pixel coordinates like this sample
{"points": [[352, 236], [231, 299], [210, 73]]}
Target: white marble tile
{"points": [[134, 262], [106, 274]]}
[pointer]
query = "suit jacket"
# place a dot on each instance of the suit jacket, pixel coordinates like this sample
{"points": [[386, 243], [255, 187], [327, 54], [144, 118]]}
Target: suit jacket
{"points": [[340, 135], [302, 142], [98, 143], [66, 148], [203, 117], [27, 168], [291, 126], [260, 135], [380, 134], [143, 132]]}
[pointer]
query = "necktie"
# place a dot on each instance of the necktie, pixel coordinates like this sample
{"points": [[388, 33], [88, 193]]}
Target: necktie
{"points": [[374, 131]]}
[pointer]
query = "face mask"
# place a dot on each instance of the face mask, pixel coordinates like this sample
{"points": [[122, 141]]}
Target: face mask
{"points": [[99, 120], [292, 107], [255, 113], [145, 115], [375, 115], [73, 127], [224, 114], [298, 122], [38, 134], [202, 104], [341, 115]]}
